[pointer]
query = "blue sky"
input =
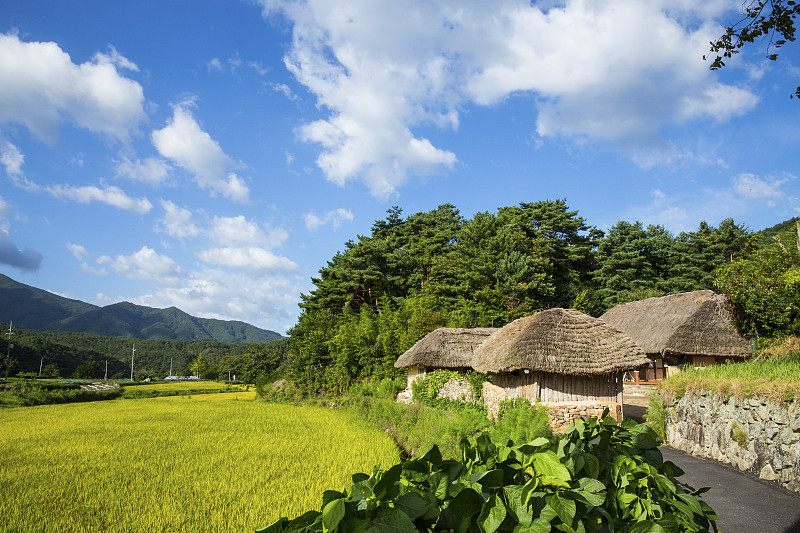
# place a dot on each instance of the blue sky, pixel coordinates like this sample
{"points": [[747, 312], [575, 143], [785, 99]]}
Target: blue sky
{"points": [[213, 155]]}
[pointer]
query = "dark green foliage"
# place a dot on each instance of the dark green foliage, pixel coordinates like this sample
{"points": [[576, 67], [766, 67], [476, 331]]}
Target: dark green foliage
{"points": [[87, 370], [765, 287], [426, 389], [33, 308], [761, 19], [598, 476]]}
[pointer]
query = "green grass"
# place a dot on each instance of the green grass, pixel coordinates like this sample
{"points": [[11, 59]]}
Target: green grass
{"points": [[214, 462], [776, 377]]}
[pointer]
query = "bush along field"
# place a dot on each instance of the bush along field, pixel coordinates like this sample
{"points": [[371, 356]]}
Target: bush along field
{"points": [[597, 476]]}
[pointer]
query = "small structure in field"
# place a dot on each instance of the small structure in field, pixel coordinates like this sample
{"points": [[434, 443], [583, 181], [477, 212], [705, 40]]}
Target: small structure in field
{"points": [[691, 328], [443, 348], [561, 357]]}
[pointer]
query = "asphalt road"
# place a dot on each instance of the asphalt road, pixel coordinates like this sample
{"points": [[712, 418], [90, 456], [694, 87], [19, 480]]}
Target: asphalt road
{"points": [[744, 503]]}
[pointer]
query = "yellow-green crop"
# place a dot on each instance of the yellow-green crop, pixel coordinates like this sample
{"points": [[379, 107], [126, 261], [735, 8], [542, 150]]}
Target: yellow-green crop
{"points": [[200, 463]]}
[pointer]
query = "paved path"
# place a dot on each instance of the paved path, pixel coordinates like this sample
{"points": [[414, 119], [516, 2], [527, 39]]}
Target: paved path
{"points": [[744, 503]]}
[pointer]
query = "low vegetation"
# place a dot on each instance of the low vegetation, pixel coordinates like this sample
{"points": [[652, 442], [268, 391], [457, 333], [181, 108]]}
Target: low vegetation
{"points": [[126, 466], [598, 476], [773, 373], [28, 392]]}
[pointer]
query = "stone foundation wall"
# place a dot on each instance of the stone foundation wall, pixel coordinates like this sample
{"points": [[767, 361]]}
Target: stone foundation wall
{"points": [[561, 413], [456, 389], [754, 435]]}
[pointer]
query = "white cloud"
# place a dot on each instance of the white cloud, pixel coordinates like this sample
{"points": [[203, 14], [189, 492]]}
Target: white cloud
{"points": [[11, 158], [40, 86], [239, 230], [614, 72], [145, 264], [83, 257], [109, 195], [177, 221], [152, 171], [188, 146], [257, 300], [284, 90], [251, 258], [753, 187], [335, 218]]}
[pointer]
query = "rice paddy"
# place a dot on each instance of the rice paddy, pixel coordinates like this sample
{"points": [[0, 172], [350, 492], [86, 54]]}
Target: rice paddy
{"points": [[217, 462]]}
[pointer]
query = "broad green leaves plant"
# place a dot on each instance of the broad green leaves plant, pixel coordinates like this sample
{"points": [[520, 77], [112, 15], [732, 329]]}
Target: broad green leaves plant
{"points": [[596, 477]]}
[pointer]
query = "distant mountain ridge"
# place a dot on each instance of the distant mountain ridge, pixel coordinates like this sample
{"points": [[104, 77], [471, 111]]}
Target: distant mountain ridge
{"points": [[32, 308]]}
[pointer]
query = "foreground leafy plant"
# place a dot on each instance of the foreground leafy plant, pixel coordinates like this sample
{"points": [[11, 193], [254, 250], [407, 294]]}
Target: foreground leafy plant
{"points": [[597, 477]]}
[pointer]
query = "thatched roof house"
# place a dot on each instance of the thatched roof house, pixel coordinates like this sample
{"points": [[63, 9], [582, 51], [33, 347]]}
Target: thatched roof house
{"points": [[445, 348], [691, 327], [558, 356], [561, 341]]}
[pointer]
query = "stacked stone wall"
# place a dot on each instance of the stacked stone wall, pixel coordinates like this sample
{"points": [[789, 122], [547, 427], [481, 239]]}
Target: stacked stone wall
{"points": [[755, 435], [456, 389]]}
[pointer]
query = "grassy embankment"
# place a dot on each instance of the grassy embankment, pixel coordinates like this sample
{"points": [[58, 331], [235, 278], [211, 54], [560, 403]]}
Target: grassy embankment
{"points": [[213, 462], [774, 373]]}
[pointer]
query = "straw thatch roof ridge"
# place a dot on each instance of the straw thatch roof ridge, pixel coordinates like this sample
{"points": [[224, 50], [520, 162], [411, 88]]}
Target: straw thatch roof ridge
{"points": [[688, 323], [563, 341], [445, 348]]}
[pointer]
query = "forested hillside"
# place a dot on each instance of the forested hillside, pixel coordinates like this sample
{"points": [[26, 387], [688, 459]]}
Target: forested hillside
{"points": [[64, 352], [32, 308], [386, 290]]}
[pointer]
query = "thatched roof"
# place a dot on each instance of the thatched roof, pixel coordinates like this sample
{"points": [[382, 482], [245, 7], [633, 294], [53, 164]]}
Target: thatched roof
{"points": [[690, 323], [445, 348], [563, 341]]}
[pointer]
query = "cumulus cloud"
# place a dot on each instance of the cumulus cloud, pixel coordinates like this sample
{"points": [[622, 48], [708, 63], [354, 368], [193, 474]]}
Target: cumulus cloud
{"points": [[753, 187], [615, 72], [177, 221], [27, 260], [152, 171], [335, 218], [240, 230], [250, 258], [109, 195], [83, 257], [145, 264], [259, 301], [40, 87], [184, 142], [11, 158]]}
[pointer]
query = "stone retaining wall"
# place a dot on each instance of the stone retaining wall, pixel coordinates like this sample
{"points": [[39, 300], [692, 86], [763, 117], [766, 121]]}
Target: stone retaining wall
{"points": [[754, 435]]}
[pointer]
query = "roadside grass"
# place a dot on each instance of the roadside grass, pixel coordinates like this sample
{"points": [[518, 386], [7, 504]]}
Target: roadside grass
{"points": [[776, 377], [215, 462]]}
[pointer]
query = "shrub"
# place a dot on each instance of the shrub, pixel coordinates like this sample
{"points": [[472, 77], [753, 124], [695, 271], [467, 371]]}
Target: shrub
{"points": [[598, 476], [520, 421], [656, 416]]}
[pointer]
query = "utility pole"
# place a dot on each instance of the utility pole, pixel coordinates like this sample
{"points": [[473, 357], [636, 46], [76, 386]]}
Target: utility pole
{"points": [[8, 353], [40, 365], [170, 367], [133, 352], [105, 378]]}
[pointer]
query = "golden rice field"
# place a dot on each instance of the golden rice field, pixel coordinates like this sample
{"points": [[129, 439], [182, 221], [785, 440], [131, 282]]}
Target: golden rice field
{"points": [[216, 462], [183, 386]]}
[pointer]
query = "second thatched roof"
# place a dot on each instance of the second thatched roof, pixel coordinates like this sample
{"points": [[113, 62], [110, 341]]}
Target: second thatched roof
{"points": [[689, 323], [445, 348], [563, 341]]}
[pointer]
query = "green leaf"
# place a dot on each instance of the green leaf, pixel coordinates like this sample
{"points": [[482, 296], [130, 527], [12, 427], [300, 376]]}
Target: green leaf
{"points": [[306, 520], [592, 465], [332, 514], [458, 514], [564, 508], [357, 478], [433, 455], [391, 521], [646, 526], [417, 505], [540, 525], [492, 514], [330, 495], [547, 465], [491, 479], [276, 527], [387, 487], [591, 491], [517, 505]]}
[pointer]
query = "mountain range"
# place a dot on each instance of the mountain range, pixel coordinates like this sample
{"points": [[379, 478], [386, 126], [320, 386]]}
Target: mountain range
{"points": [[32, 308]]}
